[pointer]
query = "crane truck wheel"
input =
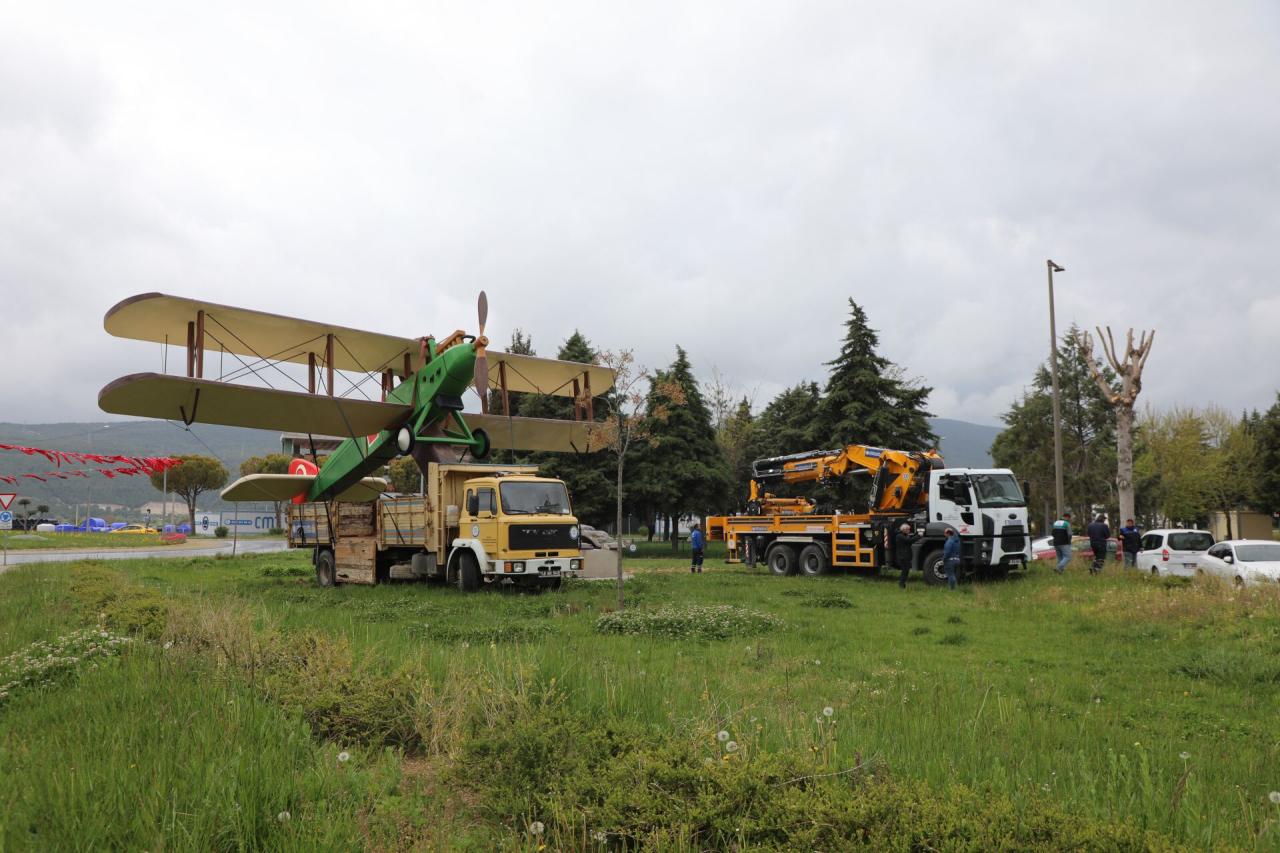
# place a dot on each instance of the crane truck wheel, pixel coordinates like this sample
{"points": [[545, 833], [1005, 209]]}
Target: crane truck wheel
{"points": [[934, 575], [781, 559], [325, 570], [468, 572], [813, 561]]}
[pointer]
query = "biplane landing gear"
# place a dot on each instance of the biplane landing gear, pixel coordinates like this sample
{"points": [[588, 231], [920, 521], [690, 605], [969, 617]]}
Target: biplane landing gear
{"points": [[405, 440], [481, 448]]}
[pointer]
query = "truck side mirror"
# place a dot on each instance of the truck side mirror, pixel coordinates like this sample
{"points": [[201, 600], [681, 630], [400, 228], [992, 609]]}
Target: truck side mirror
{"points": [[473, 504], [1026, 490]]}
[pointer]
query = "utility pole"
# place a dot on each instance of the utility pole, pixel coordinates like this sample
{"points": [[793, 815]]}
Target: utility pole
{"points": [[1057, 414]]}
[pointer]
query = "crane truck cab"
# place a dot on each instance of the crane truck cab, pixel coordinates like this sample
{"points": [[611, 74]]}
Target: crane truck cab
{"points": [[518, 528], [986, 507]]}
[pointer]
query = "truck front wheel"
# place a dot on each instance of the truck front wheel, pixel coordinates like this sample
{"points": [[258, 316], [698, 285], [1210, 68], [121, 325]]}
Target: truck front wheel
{"points": [[934, 574], [813, 560], [325, 572], [781, 559], [468, 572]]}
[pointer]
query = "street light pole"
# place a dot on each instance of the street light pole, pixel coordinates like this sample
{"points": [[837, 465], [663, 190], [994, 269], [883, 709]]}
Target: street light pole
{"points": [[1057, 414]]}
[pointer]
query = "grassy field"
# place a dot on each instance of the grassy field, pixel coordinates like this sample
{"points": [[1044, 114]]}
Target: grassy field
{"points": [[728, 710], [17, 540]]}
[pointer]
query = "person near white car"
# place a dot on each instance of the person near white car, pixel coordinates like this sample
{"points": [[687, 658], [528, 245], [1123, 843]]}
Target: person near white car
{"points": [[1062, 541], [1130, 542], [1244, 561]]}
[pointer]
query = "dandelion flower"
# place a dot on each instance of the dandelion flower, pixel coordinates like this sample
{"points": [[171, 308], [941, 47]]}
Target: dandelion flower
{"points": [[344, 756], [828, 711], [536, 827], [722, 736], [731, 746], [1274, 797], [283, 817], [817, 663], [169, 644], [1184, 755]]}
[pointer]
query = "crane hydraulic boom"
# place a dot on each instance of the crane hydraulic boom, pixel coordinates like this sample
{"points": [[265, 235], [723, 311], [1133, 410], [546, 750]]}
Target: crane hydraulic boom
{"points": [[896, 484]]}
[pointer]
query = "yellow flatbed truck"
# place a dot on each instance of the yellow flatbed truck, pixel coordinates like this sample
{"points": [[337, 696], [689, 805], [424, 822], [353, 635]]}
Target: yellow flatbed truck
{"points": [[474, 525]]}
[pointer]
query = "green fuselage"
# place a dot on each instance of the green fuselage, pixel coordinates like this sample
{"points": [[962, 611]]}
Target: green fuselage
{"points": [[432, 392]]}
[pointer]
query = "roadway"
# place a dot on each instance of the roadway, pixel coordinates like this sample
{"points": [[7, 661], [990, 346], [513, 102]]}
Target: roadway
{"points": [[191, 549]]}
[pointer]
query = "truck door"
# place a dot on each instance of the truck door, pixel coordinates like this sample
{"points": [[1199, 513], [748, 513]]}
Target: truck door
{"points": [[486, 519], [952, 502]]}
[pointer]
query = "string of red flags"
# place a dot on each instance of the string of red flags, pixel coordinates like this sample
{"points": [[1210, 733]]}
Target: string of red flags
{"points": [[109, 465]]}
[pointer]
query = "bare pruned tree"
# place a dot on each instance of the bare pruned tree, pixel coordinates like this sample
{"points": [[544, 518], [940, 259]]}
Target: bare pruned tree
{"points": [[1129, 370]]}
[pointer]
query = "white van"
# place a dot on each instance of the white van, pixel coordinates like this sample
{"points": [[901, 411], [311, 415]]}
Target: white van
{"points": [[1173, 552]]}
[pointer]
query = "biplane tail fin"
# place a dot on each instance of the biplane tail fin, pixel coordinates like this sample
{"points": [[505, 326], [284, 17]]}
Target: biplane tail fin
{"points": [[287, 487]]}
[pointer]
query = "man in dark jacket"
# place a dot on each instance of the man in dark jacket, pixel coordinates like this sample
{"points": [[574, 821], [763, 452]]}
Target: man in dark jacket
{"points": [[1131, 540], [1099, 533], [951, 555], [1062, 541], [902, 543]]}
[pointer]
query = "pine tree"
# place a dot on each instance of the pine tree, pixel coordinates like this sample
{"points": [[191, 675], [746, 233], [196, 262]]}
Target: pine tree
{"points": [[867, 400], [682, 471], [521, 344], [1267, 429], [1088, 433]]}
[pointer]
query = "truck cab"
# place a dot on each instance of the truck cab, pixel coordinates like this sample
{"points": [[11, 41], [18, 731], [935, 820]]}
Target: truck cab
{"points": [[987, 508], [519, 528]]}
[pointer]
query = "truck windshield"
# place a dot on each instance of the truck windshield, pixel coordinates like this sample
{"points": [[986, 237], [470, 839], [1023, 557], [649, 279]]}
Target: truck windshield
{"points": [[997, 490], [531, 498]]}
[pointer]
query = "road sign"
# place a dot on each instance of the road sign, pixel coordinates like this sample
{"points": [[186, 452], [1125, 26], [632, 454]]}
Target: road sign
{"points": [[6, 499], [6, 520]]}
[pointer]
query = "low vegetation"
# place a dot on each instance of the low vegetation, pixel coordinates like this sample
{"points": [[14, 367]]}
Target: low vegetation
{"points": [[729, 710]]}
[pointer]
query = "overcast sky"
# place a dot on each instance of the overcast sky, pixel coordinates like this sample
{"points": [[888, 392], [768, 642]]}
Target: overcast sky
{"points": [[721, 176]]}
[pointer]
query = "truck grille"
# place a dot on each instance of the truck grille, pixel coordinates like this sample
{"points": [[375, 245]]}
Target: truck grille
{"points": [[539, 537], [1012, 539]]}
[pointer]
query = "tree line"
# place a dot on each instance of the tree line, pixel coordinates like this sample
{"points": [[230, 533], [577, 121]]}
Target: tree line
{"points": [[1189, 460]]}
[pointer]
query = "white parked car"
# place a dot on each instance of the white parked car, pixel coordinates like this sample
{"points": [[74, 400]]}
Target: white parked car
{"points": [[1244, 561], [1173, 552]]}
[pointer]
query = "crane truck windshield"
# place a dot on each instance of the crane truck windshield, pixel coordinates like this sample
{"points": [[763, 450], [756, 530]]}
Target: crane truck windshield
{"points": [[996, 490], [535, 498]]}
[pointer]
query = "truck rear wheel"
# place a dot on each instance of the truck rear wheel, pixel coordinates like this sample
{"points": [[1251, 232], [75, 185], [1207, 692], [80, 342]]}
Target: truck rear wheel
{"points": [[934, 574], [468, 572], [813, 560], [781, 559], [326, 574]]}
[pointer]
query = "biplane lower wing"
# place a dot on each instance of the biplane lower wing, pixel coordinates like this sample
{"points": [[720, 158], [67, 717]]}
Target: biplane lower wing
{"points": [[283, 487], [516, 433], [182, 398]]}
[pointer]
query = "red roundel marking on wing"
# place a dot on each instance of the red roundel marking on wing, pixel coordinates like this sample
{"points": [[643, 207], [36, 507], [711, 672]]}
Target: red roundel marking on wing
{"points": [[302, 467]]}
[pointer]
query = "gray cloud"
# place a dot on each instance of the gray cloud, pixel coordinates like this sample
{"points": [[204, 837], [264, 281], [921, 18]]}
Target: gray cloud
{"points": [[717, 176]]}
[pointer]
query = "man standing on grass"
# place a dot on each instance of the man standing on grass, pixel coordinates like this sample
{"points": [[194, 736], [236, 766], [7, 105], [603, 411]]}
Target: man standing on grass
{"points": [[951, 556], [902, 543], [1099, 534], [1062, 541], [1131, 542], [695, 545]]}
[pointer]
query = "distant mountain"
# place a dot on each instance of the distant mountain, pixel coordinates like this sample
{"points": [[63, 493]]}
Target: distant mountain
{"points": [[232, 445], [965, 445]]}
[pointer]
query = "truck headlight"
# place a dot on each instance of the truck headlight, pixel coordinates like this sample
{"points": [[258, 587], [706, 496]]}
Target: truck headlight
{"points": [[515, 567], [575, 565]]}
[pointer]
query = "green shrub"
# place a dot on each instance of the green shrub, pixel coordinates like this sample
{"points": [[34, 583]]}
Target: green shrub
{"points": [[276, 531], [108, 599], [953, 639], [830, 599], [221, 532], [692, 621]]}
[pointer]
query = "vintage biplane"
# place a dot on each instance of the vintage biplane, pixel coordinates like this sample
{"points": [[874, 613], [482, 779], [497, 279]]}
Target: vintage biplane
{"points": [[419, 410]]}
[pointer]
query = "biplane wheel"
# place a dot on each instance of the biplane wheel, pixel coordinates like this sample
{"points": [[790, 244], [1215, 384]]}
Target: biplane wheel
{"points": [[481, 450], [405, 440], [325, 570]]}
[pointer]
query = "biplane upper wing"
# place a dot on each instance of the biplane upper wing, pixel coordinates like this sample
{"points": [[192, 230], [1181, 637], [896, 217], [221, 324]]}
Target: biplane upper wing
{"points": [[181, 398], [162, 318], [532, 375], [283, 487], [536, 433]]}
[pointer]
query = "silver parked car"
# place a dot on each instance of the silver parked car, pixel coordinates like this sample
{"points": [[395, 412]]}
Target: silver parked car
{"points": [[1244, 561], [1173, 552]]}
